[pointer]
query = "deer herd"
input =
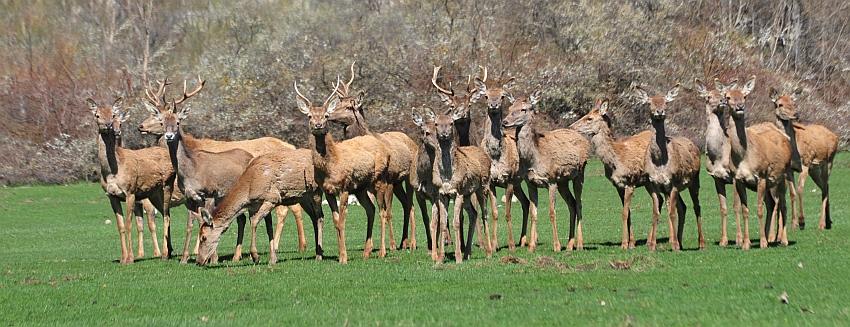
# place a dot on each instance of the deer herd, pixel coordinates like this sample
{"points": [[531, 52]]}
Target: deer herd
{"points": [[221, 181]]}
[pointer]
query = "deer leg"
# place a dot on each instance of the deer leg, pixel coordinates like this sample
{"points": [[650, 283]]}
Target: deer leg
{"points": [[270, 232], [675, 209], [297, 212], [473, 221], [129, 218], [482, 205], [553, 193], [119, 219], [469, 208], [385, 205], [800, 220], [739, 205], [436, 205], [628, 236], [312, 203], [426, 220], [564, 189], [525, 204], [656, 206], [262, 212], [783, 215], [279, 212], [369, 207], [821, 179], [532, 234], [693, 190], [139, 215], [151, 213], [720, 187], [405, 196], [241, 220], [339, 223], [578, 188], [761, 191], [456, 226]]}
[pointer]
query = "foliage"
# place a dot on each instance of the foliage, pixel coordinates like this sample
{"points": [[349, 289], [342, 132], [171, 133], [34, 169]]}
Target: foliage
{"points": [[55, 54]]}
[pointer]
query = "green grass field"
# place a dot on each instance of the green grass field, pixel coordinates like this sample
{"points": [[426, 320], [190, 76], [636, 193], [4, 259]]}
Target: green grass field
{"points": [[59, 267]]}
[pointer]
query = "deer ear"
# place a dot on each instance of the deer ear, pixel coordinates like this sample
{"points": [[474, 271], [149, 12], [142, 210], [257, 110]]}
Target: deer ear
{"points": [[479, 84], [429, 114], [603, 107], [417, 117], [797, 94], [303, 105], [700, 87], [748, 87], [117, 104], [92, 105], [719, 86], [536, 94], [671, 95], [124, 116], [332, 104], [774, 94], [508, 95], [183, 113], [641, 95], [153, 110], [457, 113], [445, 98], [474, 97], [509, 83], [205, 217]]}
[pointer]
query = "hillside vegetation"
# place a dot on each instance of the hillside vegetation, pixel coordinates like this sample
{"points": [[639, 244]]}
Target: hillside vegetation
{"points": [[54, 54]]}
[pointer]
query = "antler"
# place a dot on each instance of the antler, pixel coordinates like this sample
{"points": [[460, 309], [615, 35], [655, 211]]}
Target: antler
{"points": [[201, 83], [301, 95], [469, 80], [345, 86], [434, 81], [336, 87], [153, 98]]}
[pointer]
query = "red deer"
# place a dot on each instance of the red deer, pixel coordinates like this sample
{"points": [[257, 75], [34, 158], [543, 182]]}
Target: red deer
{"points": [[358, 165], [552, 160], [761, 161], [130, 175], [672, 165], [624, 159], [422, 170]]}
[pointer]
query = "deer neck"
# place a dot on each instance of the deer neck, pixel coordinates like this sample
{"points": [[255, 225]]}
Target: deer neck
{"points": [[737, 139], [182, 156], [323, 150], [425, 163], [445, 164], [716, 139], [462, 127], [493, 138], [603, 144], [108, 153], [788, 127], [658, 145], [526, 143], [357, 129]]}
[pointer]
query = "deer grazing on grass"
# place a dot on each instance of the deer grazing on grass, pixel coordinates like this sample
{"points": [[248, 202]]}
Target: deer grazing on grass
{"points": [[504, 160], [275, 179], [459, 172], [761, 161], [816, 146], [358, 165], [349, 113], [552, 160], [672, 165], [255, 147], [717, 151], [624, 159], [130, 175]]}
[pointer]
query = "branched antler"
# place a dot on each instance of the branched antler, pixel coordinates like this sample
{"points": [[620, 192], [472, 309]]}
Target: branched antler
{"points": [[449, 92], [154, 97], [185, 96]]}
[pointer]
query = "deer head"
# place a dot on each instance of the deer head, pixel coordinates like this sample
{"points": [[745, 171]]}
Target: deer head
{"points": [[152, 125], [522, 111], [349, 110], [657, 104], [736, 97], [494, 96], [426, 125], [108, 119], [715, 100], [785, 105], [444, 125], [458, 102], [167, 116], [208, 236], [318, 115], [594, 121]]}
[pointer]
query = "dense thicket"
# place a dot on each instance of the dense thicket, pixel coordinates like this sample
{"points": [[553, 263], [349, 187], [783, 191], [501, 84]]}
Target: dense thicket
{"points": [[54, 54]]}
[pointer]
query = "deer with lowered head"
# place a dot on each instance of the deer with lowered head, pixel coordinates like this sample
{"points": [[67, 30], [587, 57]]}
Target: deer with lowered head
{"points": [[255, 147], [459, 172], [129, 175], [624, 159], [761, 161], [717, 150], [500, 146], [358, 165], [349, 113], [672, 165], [551, 160], [271, 180], [816, 146]]}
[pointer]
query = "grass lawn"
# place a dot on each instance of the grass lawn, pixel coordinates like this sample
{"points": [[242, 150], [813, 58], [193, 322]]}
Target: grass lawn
{"points": [[58, 266]]}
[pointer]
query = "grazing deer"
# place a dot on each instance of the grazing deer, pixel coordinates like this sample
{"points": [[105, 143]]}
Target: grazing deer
{"points": [[816, 146], [459, 172], [271, 180], [349, 113], [255, 147], [761, 161], [717, 151], [422, 170], [504, 160], [624, 159], [130, 175], [552, 160], [672, 165], [358, 165]]}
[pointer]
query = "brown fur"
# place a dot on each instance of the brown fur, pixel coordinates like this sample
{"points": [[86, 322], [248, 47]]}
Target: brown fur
{"points": [[130, 175], [624, 159], [500, 146], [358, 165], [256, 147], [760, 160], [275, 179], [552, 160], [459, 172], [816, 146], [672, 165]]}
